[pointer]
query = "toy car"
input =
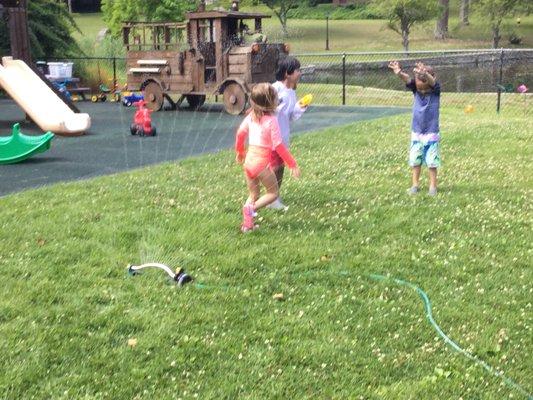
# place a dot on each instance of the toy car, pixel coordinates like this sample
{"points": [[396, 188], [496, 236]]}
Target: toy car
{"points": [[128, 99], [142, 121]]}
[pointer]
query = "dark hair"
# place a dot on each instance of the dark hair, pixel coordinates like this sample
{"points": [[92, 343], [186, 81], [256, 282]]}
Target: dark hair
{"points": [[287, 66]]}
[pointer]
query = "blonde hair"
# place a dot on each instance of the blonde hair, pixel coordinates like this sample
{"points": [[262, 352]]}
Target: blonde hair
{"points": [[263, 100]]}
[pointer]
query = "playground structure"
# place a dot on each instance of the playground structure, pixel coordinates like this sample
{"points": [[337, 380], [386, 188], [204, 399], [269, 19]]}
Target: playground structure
{"points": [[39, 101], [18, 147], [28, 87], [208, 55]]}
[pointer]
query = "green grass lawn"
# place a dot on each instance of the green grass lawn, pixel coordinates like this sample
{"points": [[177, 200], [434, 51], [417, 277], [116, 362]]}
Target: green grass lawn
{"points": [[68, 307], [372, 35], [90, 24], [366, 35]]}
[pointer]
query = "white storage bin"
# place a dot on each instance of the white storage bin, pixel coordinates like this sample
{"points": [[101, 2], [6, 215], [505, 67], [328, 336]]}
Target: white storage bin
{"points": [[60, 70]]}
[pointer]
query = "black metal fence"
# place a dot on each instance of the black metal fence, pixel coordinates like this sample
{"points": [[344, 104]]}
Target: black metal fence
{"points": [[474, 80], [489, 80]]}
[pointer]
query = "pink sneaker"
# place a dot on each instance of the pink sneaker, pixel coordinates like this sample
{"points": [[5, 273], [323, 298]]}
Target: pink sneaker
{"points": [[248, 215]]}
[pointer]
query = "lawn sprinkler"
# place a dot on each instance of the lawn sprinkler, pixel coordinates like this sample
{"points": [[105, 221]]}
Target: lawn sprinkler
{"points": [[306, 100], [469, 109], [142, 121], [180, 276]]}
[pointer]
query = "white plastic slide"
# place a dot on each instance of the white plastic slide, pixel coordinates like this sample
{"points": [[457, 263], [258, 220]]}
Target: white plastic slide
{"points": [[43, 106]]}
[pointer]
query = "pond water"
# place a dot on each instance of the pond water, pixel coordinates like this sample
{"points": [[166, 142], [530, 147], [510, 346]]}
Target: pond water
{"points": [[453, 78]]}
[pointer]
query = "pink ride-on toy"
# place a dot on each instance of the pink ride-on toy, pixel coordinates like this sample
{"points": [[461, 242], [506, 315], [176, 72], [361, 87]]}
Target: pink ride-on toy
{"points": [[142, 121]]}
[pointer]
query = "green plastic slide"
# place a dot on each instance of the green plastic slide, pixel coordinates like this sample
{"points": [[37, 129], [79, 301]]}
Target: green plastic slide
{"points": [[19, 147]]}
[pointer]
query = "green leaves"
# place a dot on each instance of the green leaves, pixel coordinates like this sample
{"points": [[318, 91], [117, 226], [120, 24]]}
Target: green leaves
{"points": [[50, 28], [118, 11], [495, 11], [281, 9], [403, 14]]}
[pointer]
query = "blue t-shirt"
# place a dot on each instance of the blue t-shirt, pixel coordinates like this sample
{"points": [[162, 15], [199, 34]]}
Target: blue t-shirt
{"points": [[425, 109]]}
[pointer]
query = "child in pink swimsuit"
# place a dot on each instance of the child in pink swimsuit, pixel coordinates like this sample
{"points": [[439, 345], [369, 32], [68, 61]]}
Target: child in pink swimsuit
{"points": [[262, 130]]}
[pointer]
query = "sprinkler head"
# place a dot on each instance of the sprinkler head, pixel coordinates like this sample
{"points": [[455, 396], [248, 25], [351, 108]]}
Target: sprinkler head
{"points": [[131, 271], [181, 277]]}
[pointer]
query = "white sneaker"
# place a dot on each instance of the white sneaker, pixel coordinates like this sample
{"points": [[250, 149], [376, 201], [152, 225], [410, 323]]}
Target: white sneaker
{"points": [[277, 205]]}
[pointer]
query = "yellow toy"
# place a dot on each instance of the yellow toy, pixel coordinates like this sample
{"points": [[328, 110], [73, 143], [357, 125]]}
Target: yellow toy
{"points": [[469, 109], [306, 100]]}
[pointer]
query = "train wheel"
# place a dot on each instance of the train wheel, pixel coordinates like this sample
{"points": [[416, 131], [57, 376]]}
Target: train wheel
{"points": [[153, 96], [235, 99]]}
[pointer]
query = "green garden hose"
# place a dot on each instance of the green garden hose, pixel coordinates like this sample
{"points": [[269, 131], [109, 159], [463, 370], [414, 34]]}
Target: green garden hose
{"points": [[421, 293], [450, 342]]}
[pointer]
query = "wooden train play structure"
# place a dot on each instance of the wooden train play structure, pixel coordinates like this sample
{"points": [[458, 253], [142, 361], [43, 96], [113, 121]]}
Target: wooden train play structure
{"points": [[208, 55]]}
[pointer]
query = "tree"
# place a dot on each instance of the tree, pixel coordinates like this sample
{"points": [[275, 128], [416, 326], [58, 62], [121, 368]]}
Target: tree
{"points": [[441, 30], [463, 12], [280, 9], [50, 29], [117, 11], [494, 11], [403, 14]]}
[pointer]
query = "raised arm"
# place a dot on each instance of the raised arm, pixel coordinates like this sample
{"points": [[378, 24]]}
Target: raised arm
{"points": [[423, 70], [397, 69]]}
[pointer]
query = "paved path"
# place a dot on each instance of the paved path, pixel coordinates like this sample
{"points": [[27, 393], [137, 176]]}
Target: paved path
{"points": [[109, 148]]}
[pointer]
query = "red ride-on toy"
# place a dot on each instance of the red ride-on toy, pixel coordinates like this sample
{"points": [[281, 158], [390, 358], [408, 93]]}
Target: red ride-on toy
{"points": [[142, 121]]}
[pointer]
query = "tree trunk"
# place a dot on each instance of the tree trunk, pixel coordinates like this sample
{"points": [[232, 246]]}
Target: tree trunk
{"points": [[282, 16], [69, 6], [441, 30], [405, 38], [463, 13], [496, 36]]}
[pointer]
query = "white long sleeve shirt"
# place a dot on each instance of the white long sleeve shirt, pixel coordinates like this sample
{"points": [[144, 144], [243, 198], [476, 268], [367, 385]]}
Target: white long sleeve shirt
{"points": [[288, 110]]}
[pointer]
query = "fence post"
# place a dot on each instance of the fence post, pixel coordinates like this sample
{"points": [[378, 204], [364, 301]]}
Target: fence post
{"points": [[114, 73], [327, 32], [498, 105], [343, 79]]}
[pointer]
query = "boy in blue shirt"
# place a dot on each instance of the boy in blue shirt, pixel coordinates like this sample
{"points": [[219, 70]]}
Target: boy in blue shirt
{"points": [[425, 134]]}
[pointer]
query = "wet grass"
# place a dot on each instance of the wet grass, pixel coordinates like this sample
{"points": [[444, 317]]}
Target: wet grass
{"points": [[68, 307]]}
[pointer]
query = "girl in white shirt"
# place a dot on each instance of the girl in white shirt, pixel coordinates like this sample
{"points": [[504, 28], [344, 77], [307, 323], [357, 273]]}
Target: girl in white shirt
{"points": [[287, 77]]}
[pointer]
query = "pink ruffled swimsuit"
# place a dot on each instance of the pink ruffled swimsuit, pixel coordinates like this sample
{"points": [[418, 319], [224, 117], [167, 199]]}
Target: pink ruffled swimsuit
{"points": [[264, 138]]}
